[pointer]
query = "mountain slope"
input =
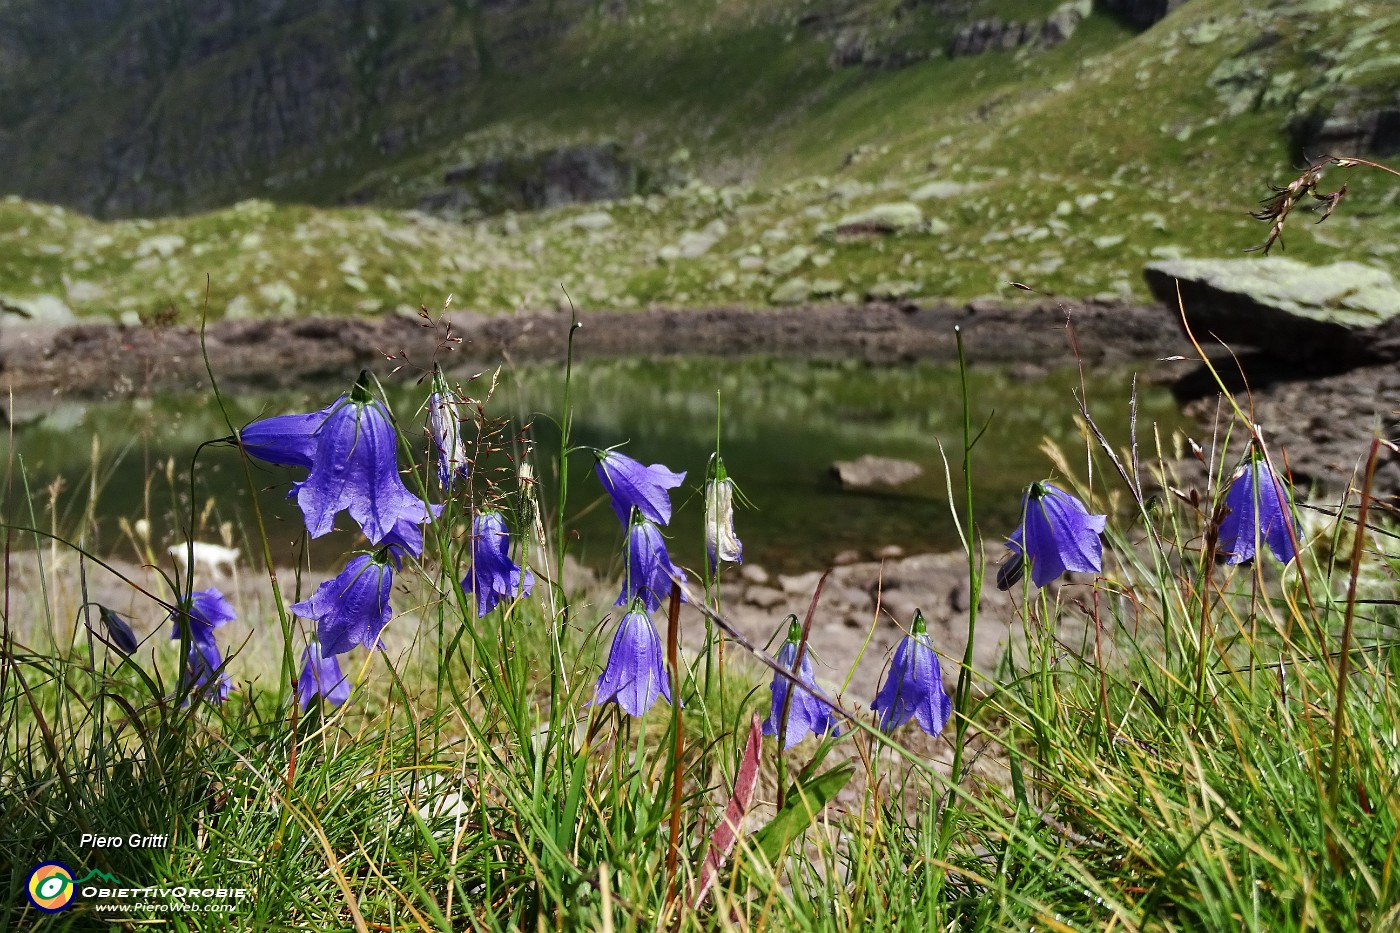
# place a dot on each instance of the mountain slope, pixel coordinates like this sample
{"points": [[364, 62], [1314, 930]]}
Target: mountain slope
{"points": [[748, 153]]}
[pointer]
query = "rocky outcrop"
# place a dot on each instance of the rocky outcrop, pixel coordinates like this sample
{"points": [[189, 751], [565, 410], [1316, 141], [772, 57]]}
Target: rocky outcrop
{"points": [[1352, 127], [1141, 13], [567, 175], [993, 35], [1329, 317], [869, 471]]}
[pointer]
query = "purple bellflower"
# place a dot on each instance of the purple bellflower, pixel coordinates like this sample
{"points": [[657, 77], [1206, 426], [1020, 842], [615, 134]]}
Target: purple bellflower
{"points": [[806, 713], [1259, 510], [353, 608], [286, 440], [1057, 533], [635, 675], [321, 676], [207, 610], [720, 540], [203, 673], [118, 631], [913, 687], [445, 427], [631, 484], [355, 467], [493, 576], [649, 568]]}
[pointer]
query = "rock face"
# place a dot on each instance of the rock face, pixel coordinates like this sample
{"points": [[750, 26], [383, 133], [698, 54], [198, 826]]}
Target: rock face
{"points": [[160, 107], [870, 470], [1141, 13], [1330, 317], [1354, 128], [569, 175], [993, 35]]}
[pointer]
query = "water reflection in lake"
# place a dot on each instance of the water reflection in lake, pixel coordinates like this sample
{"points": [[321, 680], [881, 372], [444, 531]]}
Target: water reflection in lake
{"points": [[783, 424]]}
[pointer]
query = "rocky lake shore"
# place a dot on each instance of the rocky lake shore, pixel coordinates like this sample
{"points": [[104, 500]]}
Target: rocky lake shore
{"points": [[1321, 421]]}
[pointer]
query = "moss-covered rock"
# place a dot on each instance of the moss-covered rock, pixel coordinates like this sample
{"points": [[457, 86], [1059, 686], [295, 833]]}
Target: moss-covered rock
{"points": [[1338, 315]]}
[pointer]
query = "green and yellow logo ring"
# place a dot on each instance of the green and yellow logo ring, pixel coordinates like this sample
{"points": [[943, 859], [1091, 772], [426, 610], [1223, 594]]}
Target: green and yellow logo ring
{"points": [[50, 887]]}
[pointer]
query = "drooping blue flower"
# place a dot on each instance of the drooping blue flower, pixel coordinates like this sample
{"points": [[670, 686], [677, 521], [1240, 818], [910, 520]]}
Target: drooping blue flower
{"points": [[355, 467], [321, 676], [353, 608], [406, 537], [806, 713], [1260, 509], [635, 675], [286, 440], [630, 484], [493, 576], [206, 611], [445, 427], [720, 540], [117, 630], [1056, 534], [913, 686], [203, 672], [649, 569]]}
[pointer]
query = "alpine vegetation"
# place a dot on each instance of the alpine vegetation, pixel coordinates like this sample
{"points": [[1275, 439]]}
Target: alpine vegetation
{"points": [[635, 674], [808, 710], [464, 731], [721, 543], [631, 485], [353, 607], [492, 575], [1056, 534], [1258, 509], [913, 686], [649, 571], [321, 677]]}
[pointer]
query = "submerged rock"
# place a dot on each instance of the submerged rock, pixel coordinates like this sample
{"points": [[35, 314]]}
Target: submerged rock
{"points": [[871, 470], [1335, 316]]}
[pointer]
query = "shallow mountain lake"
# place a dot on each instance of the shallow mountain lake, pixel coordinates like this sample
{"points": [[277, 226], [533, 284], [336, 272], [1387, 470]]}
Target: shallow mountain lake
{"points": [[92, 470]]}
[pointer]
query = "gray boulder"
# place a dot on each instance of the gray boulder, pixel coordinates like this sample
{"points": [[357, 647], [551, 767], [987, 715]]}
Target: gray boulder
{"points": [[1336, 316], [870, 470], [1142, 13]]}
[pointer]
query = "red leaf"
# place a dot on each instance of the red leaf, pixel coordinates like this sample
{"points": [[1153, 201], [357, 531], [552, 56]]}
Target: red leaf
{"points": [[726, 834]]}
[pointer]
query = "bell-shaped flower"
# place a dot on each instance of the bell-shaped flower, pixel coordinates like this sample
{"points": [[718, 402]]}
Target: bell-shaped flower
{"points": [[1260, 509], [203, 672], [630, 484], [1057, 533], [117, 629], [913, 686], [355, 467], [720, 540], [206, 611], [445, 427], [635, 674], [353, 608], [321, 676], [286, 440], [493, 576], [649, 568], [805, 714]]}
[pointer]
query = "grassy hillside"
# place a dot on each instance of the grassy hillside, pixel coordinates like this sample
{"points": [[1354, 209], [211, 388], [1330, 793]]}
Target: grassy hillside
{"points": [[1065, 169]]}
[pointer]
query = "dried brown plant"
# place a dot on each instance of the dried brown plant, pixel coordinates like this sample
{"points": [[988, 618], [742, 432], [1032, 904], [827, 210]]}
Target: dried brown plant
{"points": [[1280, 204]]}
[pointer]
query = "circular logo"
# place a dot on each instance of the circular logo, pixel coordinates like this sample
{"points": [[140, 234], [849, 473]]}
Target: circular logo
{"points": [[50, 887]]}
